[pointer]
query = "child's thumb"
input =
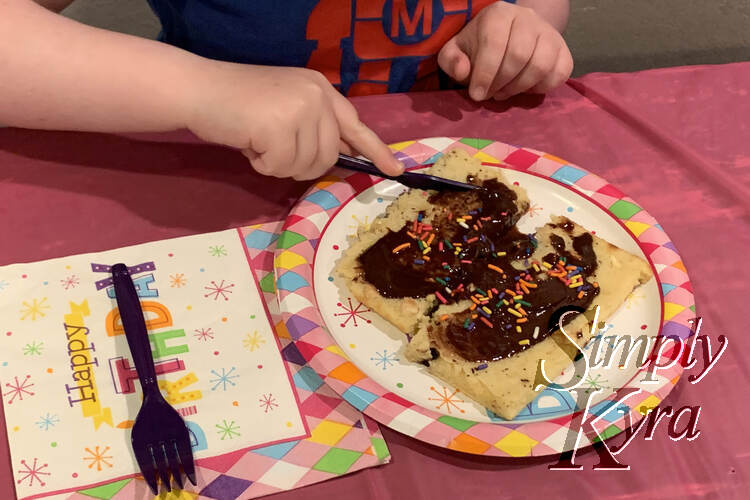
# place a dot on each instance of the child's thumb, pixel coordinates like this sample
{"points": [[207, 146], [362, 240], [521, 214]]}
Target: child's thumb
{"points": [[454, 61]]}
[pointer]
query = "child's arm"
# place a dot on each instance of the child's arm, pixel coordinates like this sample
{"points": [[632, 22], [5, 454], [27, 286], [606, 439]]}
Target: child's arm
{"points": [[59, 74], [507, 49]]}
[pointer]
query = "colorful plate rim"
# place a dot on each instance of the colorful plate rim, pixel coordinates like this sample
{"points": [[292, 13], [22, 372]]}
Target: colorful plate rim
{"points": [[297, 247]]}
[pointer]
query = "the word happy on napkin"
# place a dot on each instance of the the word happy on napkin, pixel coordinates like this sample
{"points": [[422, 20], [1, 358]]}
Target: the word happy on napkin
{"points": [[67, 379]]}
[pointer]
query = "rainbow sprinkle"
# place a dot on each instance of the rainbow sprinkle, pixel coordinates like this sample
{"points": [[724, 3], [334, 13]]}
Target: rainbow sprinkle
{"points": [[495, 268], [401, 247]]}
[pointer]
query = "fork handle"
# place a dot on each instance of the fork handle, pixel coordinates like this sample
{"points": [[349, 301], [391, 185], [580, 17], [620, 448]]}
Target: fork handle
{"points": [[134, 325]]}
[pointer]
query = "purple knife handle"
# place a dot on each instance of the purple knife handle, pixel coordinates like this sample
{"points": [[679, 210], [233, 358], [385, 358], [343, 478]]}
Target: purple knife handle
{"points": [[361, 165], [134, 325], [409, 179]]}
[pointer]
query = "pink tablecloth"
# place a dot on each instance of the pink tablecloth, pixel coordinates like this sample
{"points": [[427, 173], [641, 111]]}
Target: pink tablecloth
{"points": [[676, 140]]}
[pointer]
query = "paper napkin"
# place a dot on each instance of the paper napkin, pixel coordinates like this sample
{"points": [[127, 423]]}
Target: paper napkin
{"points": [[253, 432]]}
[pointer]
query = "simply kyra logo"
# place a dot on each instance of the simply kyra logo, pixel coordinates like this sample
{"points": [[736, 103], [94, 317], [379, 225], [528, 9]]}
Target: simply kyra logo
{"points": [[666, 351]]}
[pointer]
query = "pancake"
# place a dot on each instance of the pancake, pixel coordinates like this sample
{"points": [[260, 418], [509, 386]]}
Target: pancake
{"points": [[479, 299]]}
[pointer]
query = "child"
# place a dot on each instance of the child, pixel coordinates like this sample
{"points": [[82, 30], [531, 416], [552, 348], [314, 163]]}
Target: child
{"points": [[233, 71]]}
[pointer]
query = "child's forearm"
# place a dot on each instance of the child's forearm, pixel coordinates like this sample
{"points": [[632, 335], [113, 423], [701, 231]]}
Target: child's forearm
{"points": [[554, 12], [58, 74]]}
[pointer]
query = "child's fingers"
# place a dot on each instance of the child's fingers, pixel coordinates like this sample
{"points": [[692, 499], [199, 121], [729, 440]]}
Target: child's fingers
{"points": [[330, 137], [491, 42], [360, 137], [540, 65], [274, 154], [521, 45], [347, 149], [250, 154], [561, 72], [327, 150], [305, 152], [371, 147], [454, 61]]}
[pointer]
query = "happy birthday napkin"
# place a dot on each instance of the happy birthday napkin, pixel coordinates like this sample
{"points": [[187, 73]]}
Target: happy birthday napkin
{"points": [[70, 390]]}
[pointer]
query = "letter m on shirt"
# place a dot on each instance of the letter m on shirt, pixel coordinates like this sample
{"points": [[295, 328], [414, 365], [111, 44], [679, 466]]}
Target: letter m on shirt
{"points": [[400, 17]]}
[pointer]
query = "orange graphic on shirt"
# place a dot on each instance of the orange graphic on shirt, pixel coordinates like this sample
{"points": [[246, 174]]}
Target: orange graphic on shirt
{"points": [[365, 37]]}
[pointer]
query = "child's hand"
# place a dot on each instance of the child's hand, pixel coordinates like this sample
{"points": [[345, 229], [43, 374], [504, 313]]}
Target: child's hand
{"points": [[289, 122], [506, 50]]}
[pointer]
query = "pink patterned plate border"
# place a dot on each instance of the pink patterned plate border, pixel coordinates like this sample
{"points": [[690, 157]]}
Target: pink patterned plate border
{"points": [[295, 257]]}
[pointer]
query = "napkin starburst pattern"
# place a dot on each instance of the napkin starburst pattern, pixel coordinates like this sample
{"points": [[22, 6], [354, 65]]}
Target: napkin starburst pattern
{"points": [[177, 280], [223, 379], [204, 334], [18, 389], [70, 282], [33, 349], [47, 421], [98, 458], [33, 472], [34, 309], [217, 251], [221, 290], [228, 430], [253, 342], [268, 403]]}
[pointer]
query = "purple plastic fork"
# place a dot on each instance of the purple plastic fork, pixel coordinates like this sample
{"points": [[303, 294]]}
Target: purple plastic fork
{"points": [[161, 441]]}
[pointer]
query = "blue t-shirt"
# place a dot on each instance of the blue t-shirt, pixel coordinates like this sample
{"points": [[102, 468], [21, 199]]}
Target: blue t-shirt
{"points": [[361, 46]]}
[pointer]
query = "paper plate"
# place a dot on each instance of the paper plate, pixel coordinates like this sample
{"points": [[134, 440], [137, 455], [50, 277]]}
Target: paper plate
{"points": [[360, 355]]}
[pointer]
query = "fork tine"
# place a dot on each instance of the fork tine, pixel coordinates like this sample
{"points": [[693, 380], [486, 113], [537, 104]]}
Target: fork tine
{"points": [[146, 464], [186, 458], [161, 465], [170, 448]]}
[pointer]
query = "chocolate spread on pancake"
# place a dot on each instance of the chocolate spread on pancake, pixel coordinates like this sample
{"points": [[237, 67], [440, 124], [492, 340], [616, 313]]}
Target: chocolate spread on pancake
{"points": [[473, 243]]}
